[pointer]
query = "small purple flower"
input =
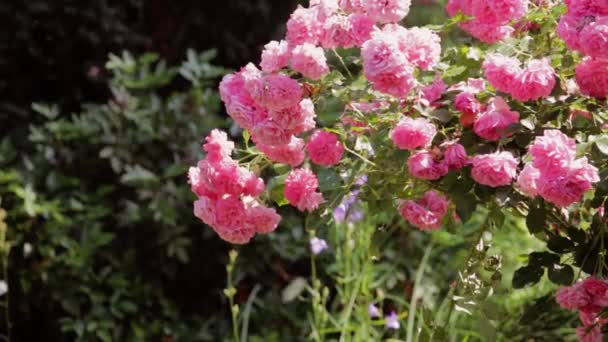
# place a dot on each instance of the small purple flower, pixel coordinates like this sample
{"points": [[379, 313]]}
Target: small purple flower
{"points": [[392, 321], [373, 311], [317, 245]]}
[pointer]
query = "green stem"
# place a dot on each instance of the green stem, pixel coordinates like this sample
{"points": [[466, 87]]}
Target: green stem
{"points": [[415, 293]]}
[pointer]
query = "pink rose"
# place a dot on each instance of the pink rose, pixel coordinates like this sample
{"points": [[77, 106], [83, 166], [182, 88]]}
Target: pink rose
{"points": [[270, 133], [526, 181], [594, 38], [325, 148], [424, 166], [592, 77], [410, 134], [310, 61], [501, 72], [469, 107], [292, 153], [361, 27], [217, 146], [564, 187], [552, 150], [433, 92], [495, 169], [597, 290], [492, 123], [264, 220], [275, 91], [303, 27], [387, 11], [275, 56], [300, 190], [427, 212], [454, 155], [335, 32], [422, 47], [536, 81], [573, 297]]}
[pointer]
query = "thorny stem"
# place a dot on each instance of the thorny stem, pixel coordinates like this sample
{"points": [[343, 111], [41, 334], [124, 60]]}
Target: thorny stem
{"points": [[342, 62]]}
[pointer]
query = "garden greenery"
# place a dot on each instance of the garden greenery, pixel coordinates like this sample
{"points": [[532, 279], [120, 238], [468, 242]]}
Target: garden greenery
{"points": [[363, 125]]}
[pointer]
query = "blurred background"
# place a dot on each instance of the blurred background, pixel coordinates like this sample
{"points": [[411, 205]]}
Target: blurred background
{"points": [[103, 106]]}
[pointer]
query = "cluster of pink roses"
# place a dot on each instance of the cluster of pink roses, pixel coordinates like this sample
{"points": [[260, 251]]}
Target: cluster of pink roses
{"points": [[589, 297], [490, 18], [227, 194], [427, 212], [392, 54], [533, 82], [554, 172], [585, 28]]}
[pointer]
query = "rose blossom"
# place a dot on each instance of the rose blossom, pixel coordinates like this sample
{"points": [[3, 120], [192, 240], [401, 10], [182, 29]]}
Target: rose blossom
{"points": [[335, 32], [325, 148], [292, 153], [566, 186], [264, 220], [433, 92], [526, 181], [275, 56], [495, 169], [501, 72], [303, 27], [427, 212], [361, 27], [424, 166], [217, 146], [592, 77], [469, 107], [454, 155], [300, 190], [492, 123], [536, 81], [552, 150], [594, 38], [387, 11], [573, 297], [310, 61], [275, 91], [422, 47], [411, 133]]}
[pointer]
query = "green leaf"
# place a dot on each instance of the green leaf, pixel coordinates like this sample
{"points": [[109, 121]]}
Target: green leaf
{"points": [[497, 218], [536, 220], [454, 71], [545, 259], [465, 206], [486, 329], [561, 274], [329, 180], [293, 290], [602, 144], [527, 276], [560, 244]]}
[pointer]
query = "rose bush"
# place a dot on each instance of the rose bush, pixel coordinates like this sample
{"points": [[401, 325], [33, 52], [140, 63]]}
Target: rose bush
{"points": [[439, 130]]}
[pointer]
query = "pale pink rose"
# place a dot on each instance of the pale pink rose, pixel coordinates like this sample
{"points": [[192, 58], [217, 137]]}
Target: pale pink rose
{"points": [[495, 169], [564, 187], [335, 32], [423, 165], [217, 146], [382, 55], [300, 190], [204, 209], [594, 38], [303, 26], [536, 81], [490, 18], [275, 56], [454, 155], [292, 153], [422, 47], [264, 220], [254, 186], [410, 134], [592, 77], [275, 91], [360, 28], [526, 181], [310, 61], [487, 33], [309, 115], [501, 72], [387, 11], [433, 92], [221, 178], [427, 212], [492, 123], [229, 213], [573, 297], [324, 8], [239, 104], [552, 150], [325, 148]]}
